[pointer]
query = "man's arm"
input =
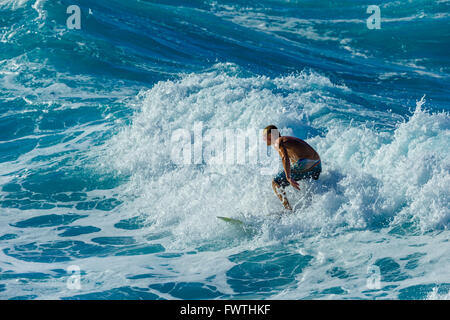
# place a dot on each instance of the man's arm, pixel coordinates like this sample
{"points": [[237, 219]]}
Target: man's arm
{"points": [[287, 165]]}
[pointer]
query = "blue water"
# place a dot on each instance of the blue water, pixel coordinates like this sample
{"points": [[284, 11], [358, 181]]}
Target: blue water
{"points": [[94, 207]]}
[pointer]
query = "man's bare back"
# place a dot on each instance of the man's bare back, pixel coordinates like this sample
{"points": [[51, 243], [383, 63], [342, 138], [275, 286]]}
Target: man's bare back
{"points": [[296, 149]]}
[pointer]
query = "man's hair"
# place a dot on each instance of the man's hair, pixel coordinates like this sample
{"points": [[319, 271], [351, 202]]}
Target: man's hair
{"points": [[268, 130]]}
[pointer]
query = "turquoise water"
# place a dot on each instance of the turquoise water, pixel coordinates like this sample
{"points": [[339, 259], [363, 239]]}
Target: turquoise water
{"points": [[93, 205]]}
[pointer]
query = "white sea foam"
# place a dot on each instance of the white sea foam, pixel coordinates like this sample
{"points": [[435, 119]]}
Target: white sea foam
{"points": [[13, 4], [434, 295], [371, 178]]}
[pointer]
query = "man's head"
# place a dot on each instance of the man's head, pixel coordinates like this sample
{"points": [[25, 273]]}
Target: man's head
{"points": [[270, 134]]}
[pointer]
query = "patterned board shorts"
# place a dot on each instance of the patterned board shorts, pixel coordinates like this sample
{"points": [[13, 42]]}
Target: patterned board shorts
{"points": [[298, 172]]}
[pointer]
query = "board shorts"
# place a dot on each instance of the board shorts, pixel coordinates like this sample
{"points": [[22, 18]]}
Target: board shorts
{"points": [[298, 172]]}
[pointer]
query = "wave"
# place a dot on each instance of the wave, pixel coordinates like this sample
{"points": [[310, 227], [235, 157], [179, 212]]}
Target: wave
{"points": [[395, 177], [435, 295]]}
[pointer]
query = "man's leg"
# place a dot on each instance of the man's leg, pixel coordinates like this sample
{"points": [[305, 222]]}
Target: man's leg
{"points": [[281, 194]]}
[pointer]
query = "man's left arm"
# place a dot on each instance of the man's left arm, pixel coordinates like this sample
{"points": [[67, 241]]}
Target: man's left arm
{"points": [[287, 166]]}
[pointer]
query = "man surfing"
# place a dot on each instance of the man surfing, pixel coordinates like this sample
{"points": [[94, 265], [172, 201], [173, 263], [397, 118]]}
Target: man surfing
{"points": [[300, 161]]}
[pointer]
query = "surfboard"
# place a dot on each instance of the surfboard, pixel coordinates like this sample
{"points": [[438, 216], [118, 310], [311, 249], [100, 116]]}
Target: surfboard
{"points": [[231, 220], [248, 228]]}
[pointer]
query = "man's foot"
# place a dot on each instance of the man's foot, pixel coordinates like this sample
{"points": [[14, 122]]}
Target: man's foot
{"points": [[287, 206]]}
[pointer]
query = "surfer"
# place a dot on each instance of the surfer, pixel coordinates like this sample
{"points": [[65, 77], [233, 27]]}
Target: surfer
{"points": [[300, 161]]}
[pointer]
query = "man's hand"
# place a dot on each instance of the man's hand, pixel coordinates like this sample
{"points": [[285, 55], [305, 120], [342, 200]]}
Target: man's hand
{"points": [[293, 183]]}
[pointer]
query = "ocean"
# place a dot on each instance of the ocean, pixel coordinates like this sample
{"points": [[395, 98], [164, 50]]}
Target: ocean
{"points": [[119, 128]]}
